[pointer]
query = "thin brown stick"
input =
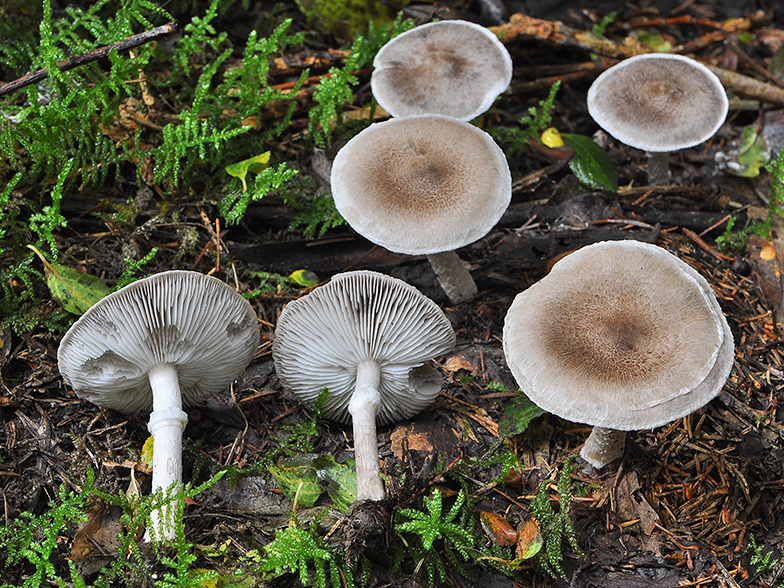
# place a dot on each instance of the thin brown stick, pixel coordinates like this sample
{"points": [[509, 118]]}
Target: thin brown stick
{"points": [[715, 225], [554, 32], [129, 43], [697, 240], [749, 87], [753, 65]]}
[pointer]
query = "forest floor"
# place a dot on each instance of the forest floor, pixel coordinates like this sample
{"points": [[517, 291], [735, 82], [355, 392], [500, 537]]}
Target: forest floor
{"points": [[679, 509]]}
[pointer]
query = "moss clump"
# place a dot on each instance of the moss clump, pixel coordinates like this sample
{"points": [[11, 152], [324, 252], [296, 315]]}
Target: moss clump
{"points": [[346, 19]]}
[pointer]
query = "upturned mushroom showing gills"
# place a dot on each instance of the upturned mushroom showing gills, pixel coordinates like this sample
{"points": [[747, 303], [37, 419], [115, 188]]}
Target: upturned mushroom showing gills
{"points": [[368, 339], [167, 341], [424, 185], [658, 102], [621, 335], [452, 67]]}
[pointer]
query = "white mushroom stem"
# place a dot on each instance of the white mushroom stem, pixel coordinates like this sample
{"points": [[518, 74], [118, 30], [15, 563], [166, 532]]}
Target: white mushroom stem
{"points": [[453, 275], [603, 446], [166, 425], [658, 168], [363, 407]]}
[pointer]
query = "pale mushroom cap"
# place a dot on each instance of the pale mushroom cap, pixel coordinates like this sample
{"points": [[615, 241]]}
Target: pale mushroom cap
{"points": [[322, 337], [192, 321], [422, 184], [455, 68], [621, 335], [658, 102]]}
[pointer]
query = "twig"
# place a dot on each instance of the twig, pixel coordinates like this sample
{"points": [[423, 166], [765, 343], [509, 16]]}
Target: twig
{"points": [[646, 190], [731, 583], [753, 65], [554, 32], [685, 19], [749, 87], [697, 240], [129, 43], [715, 225], [623, 221], [293, 64], [546, 83]]}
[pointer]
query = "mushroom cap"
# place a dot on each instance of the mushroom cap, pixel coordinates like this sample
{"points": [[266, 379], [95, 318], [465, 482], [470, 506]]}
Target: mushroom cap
{"points": [[190, 320], [321, 338], [658, 102], [452, 67], [621, 335], [421, 184]]}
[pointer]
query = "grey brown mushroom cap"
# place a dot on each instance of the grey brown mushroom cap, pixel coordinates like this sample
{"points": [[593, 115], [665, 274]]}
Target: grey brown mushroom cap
{"points": [[658, 102], [190, 320], [455, 68], [422, 184], [321, 338], [621, 335]]}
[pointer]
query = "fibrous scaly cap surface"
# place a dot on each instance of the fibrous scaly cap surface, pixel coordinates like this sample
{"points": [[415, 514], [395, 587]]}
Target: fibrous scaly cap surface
{"points": [[422, 184], [658, 102], [321, 338], [192, 321], [452, 67], [621, 335]]}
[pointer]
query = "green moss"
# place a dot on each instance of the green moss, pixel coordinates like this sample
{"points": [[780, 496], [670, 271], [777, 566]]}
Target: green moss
{"points": [[346, 19]]}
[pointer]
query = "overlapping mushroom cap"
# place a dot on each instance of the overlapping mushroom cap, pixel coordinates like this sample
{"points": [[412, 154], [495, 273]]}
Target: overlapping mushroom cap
{"points": [[452, 67], [621, 335], [192, 321], [421, 184], [321, 338], [658, 102]]}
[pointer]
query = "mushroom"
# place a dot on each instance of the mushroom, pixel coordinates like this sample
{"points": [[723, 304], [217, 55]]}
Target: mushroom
{"points": [[167, 341], [424, 185], [452, 67], [621, 335], [658, 102], [367, 338]]}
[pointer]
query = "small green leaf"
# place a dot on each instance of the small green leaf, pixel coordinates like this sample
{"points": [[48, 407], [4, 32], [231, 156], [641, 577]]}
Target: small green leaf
{"points": [[655, 41], [517, 416], [341, 480], [752, 156], [214, 550], [297, 474], [147, 451], [254, 165], [590, 163], [75, 291], [305, 278]]}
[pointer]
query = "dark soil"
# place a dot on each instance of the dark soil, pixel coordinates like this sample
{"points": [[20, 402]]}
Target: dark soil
{"points": [[677, 510]]}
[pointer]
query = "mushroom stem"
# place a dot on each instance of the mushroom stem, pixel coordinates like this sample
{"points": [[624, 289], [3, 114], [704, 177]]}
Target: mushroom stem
{"points": [[453, 275], [658, 168], [363, 407], [603, 446], [166, 425]]}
